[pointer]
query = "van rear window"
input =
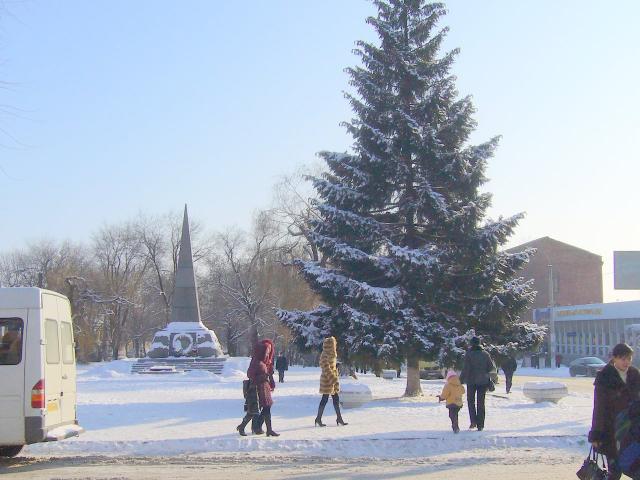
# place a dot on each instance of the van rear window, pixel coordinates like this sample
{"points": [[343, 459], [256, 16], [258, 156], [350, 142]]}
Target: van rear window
{"points": [[11, 330], [67, 343], [51, 339]]}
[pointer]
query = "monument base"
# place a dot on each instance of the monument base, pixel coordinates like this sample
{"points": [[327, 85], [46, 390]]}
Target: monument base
{"points": [[214, 365], [185, 339]]}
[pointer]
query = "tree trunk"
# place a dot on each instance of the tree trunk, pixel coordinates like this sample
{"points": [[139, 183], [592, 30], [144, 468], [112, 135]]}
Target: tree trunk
{"points": [[377, 368], [232, 342], [413, 378], [253, 334]]}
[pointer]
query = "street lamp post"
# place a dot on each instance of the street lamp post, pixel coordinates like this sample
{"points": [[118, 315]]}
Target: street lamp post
{"points": [[552, 330]]}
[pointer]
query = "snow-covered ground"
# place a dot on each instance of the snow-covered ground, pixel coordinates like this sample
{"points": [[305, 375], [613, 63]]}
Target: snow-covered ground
{"points": [[197, 412]]}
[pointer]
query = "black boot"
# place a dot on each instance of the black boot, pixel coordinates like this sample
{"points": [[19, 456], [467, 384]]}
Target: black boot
{"points": [[240, 428], [336, 406], [256, 424], [318, 421], [270, 432]]}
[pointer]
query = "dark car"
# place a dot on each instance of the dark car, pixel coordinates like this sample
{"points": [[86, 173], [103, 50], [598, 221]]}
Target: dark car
{"points": [[431, 373], [588, 366]]}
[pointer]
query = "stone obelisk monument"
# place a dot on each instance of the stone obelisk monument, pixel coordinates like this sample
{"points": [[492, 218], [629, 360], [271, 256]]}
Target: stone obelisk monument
{"points": [[185, 335]]}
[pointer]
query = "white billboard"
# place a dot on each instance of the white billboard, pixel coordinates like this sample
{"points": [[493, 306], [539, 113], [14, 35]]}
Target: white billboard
{"points": [[626, 270]]}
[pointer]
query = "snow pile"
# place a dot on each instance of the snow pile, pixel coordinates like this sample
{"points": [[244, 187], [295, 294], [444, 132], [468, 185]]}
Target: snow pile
{"points": [[97, 371], [544, 385], [561, 372]]}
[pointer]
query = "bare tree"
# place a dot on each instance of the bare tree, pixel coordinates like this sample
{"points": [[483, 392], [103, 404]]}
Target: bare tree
{"points": [[293, 210], [249, 285], [121, 266]]}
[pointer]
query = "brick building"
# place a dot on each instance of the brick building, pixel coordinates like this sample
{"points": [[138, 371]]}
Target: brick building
{"points": [[577, 274]]}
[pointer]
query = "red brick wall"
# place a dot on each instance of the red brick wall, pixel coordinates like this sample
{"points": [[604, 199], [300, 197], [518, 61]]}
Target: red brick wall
{"points": [[577, 274]]}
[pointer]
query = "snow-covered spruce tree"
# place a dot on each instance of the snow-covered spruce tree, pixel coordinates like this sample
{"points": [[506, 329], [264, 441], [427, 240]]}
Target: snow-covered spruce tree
{"points": [[414, 263]]}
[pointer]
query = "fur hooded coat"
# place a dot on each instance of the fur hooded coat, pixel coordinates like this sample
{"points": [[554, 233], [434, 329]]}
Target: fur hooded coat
{"points": [[329, 384]]}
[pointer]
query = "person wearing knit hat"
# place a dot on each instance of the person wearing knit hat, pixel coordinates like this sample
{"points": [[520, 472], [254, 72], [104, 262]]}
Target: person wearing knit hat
{"points": [[452, 396], [476, 374]]}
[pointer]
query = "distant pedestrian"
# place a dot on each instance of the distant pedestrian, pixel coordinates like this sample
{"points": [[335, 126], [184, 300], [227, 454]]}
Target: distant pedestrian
{"points": [[558, 360], [509, 366], [282, 365], [329, 384], [616, 385], [476, 373], [452, 396], [535, 360]]}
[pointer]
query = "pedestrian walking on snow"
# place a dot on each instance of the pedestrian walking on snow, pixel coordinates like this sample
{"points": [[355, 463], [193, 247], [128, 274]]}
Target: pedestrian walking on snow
{"points": [[251, 406], [476, 374], [281, 366], [329, 384], [260, 372], [509, 366], [452, 396]]}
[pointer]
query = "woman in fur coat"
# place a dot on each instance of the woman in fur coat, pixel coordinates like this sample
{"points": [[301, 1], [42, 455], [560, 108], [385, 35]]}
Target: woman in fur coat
{"points": [[260, 374], [329, 384]]}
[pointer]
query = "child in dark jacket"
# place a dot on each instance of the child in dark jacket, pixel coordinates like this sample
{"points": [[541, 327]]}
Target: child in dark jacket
{"points": [[452, 395]]}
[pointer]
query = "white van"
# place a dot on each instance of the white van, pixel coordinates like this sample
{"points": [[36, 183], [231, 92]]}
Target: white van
{"points": [[37, 369]]}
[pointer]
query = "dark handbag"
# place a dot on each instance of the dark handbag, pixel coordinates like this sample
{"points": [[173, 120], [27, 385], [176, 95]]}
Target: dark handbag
{"points": [[591, 469], [492, 386]]}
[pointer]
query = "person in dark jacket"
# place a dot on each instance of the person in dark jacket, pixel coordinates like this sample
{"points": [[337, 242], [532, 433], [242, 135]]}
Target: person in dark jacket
{"points": [[281, 366], [260, 372], [476, 373], [509, 366], [251, 406], [535, 360], [616, 385]]}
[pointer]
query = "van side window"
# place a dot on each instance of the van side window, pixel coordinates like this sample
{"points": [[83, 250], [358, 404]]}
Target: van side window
{"points": [[11, 341], [51, 339], [67, 342]]}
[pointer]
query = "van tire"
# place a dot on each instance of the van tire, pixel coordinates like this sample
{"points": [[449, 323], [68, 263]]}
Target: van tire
{"points": [[10, 451]]}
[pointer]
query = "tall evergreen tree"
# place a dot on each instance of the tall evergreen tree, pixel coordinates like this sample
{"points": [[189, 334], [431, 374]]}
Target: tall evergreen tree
{"points": [[415, 267]]}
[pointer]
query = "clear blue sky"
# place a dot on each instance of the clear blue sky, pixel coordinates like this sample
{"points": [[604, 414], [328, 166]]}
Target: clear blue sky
{"points": [[114, 107]]}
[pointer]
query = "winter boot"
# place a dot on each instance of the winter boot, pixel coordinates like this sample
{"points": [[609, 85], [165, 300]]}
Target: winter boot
{"points": [[256, 424], [318, 420], [270, 432], [336, 406], [240, 428]]}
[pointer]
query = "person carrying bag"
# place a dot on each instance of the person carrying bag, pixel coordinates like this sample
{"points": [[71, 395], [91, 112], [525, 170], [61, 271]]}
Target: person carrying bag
{"points": [[616, 386], [476, 374]]}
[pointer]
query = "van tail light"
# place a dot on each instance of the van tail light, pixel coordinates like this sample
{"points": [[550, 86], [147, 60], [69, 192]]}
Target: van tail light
{"points": [[37, 394]]}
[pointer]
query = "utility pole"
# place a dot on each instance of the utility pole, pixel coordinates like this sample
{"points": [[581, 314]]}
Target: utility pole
{"points": [[552, 333]]}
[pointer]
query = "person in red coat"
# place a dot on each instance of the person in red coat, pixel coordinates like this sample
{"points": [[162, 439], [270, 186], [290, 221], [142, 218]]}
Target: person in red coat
{"points": [[260, 373], [616, 385]]}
